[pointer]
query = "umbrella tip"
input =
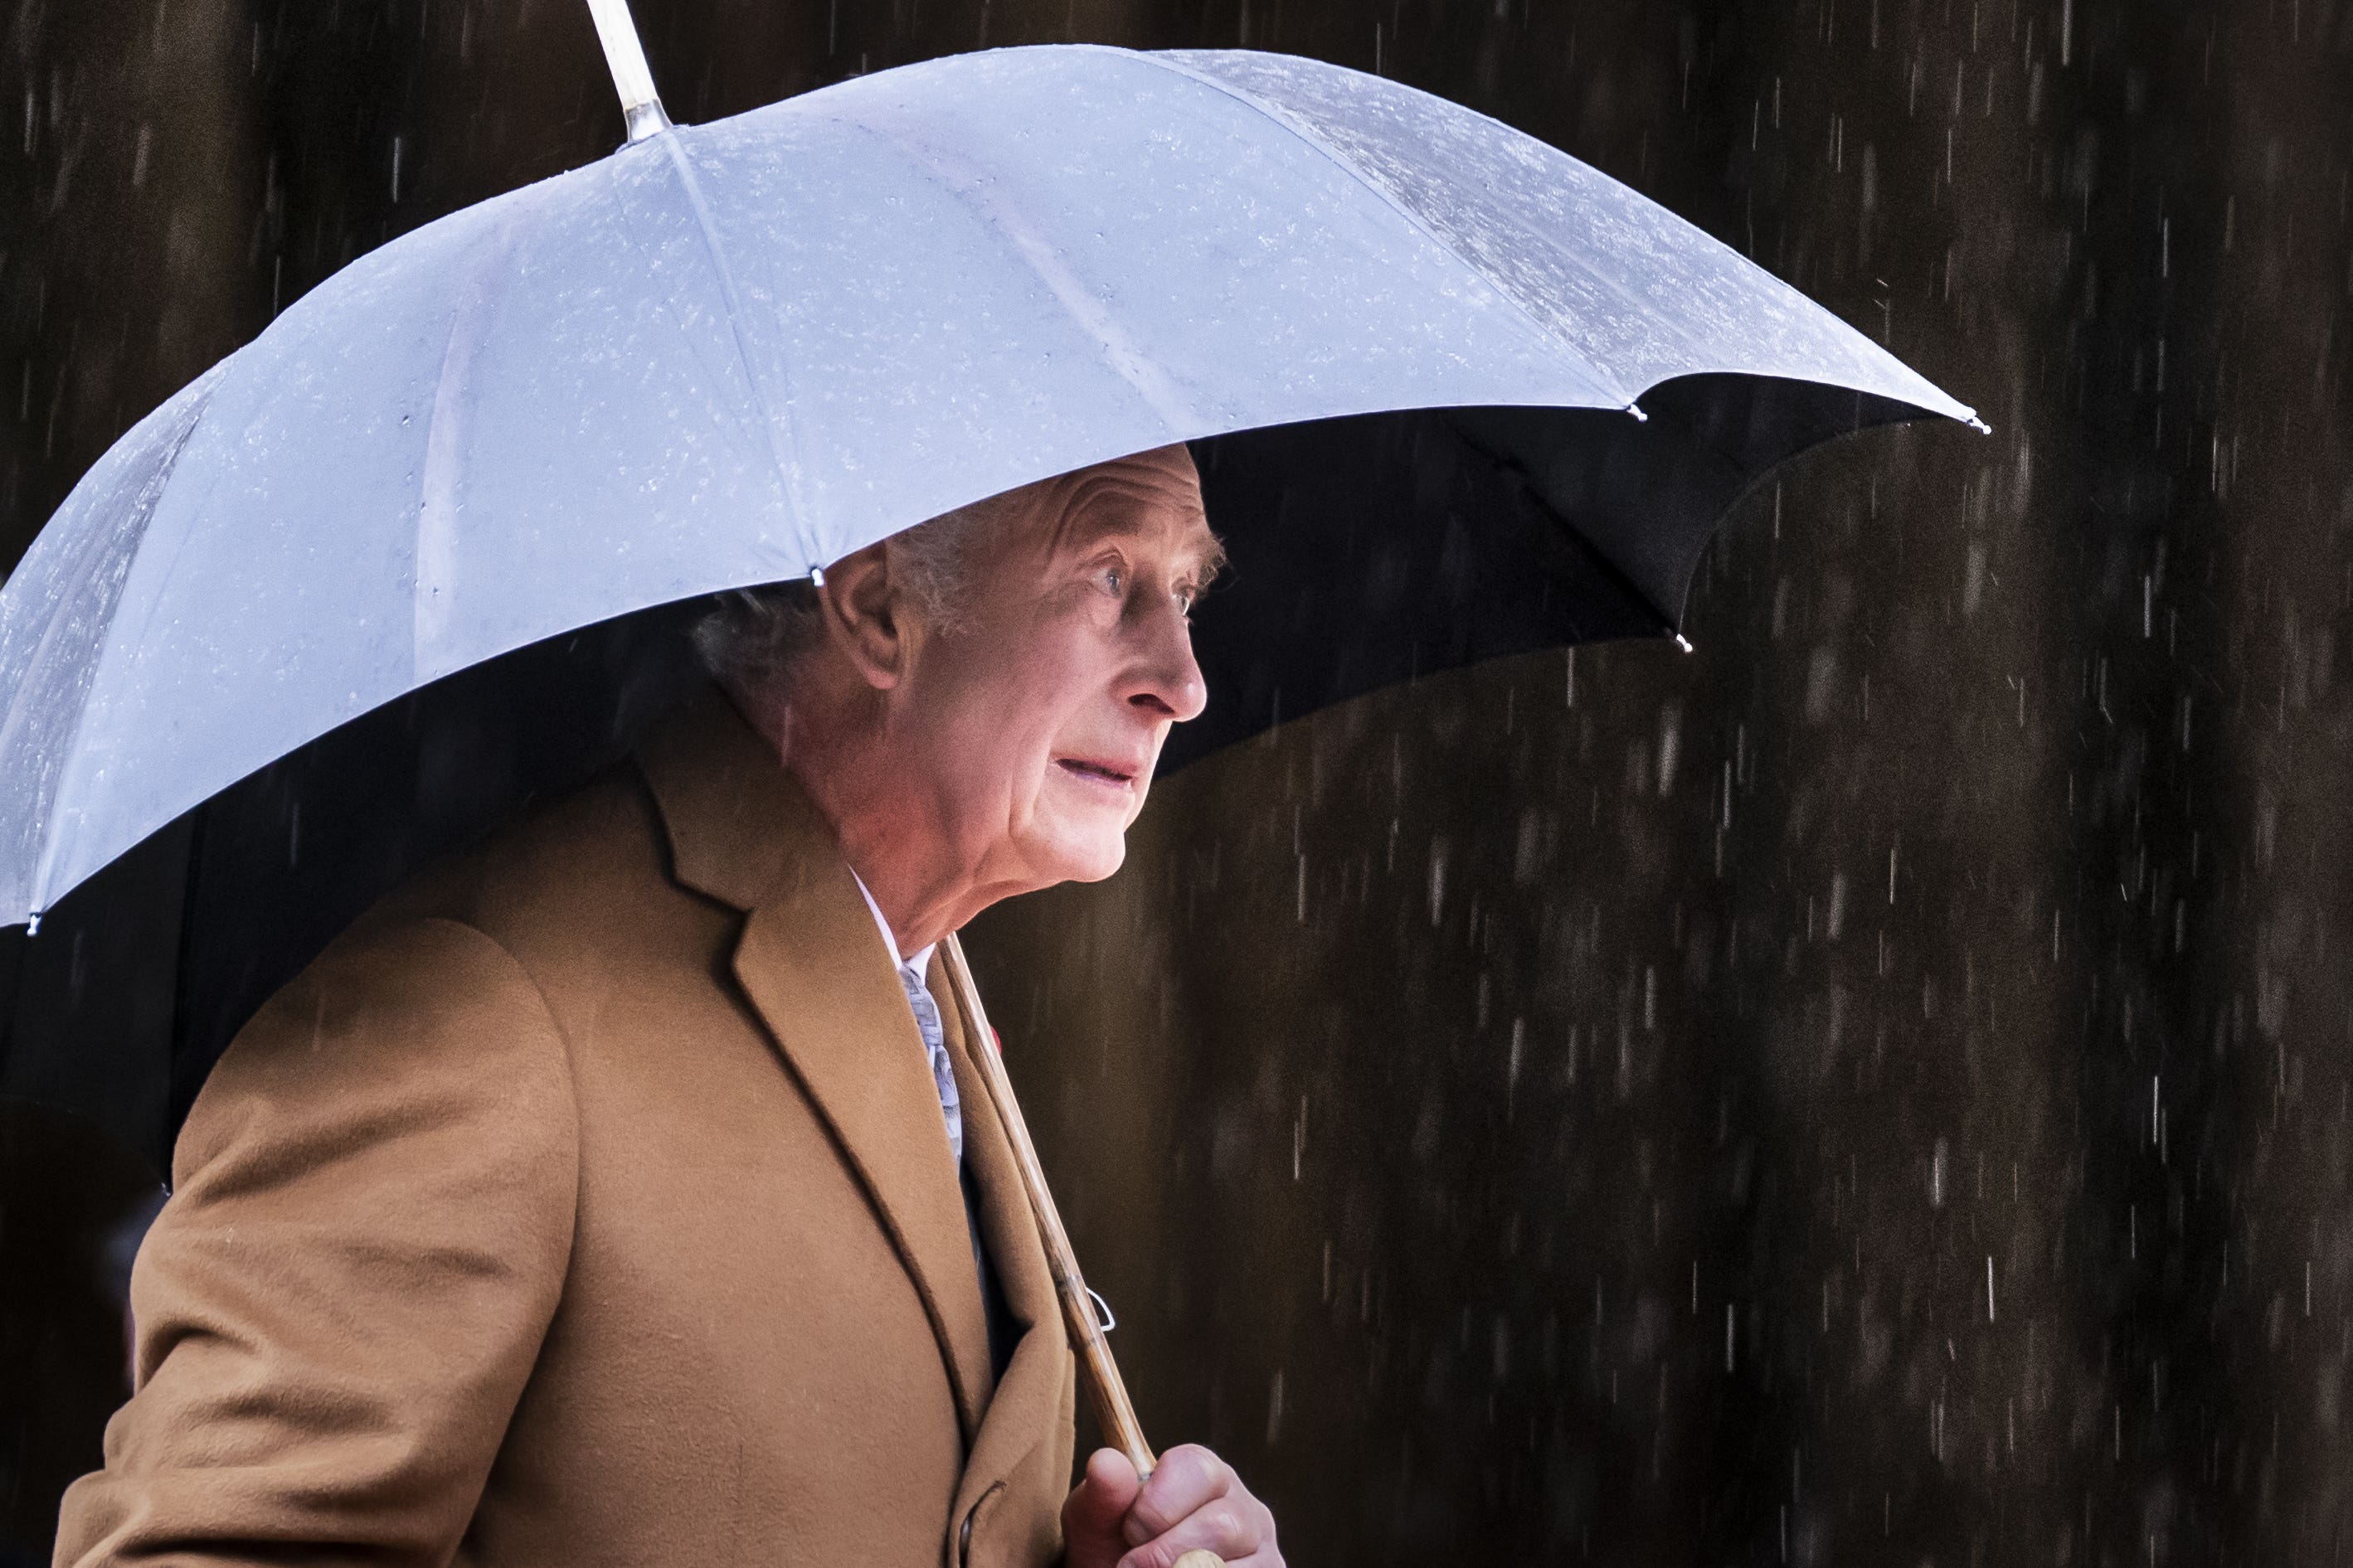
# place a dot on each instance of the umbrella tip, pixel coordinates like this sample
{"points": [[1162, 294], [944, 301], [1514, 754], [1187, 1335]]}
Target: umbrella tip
{"points": [[33, 924], [632, 78], [1636, 410], [1979, 426], [1684, 643]]}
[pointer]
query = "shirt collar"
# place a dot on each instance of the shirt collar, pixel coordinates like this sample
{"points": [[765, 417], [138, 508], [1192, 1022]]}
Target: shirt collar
{"points": [[922, 962]]}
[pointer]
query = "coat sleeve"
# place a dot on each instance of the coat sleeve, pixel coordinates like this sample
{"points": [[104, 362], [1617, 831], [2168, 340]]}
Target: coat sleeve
{"points": [[340, 1305]]}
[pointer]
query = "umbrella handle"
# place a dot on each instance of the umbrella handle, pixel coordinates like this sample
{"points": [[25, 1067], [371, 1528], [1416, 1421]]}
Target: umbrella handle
{"points": [[1106, 1393]]}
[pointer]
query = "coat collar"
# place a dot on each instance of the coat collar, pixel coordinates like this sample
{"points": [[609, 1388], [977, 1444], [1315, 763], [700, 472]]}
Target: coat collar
{"points": [[735, 818], [814, 967]]}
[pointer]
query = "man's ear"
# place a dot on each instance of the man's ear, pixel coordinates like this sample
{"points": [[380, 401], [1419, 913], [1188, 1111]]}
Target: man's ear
{"points": [[863, 616]]}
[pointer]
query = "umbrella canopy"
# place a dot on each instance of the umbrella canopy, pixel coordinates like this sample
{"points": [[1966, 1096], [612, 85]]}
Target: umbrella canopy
{"points": [[733, 353], [1454, 395]]}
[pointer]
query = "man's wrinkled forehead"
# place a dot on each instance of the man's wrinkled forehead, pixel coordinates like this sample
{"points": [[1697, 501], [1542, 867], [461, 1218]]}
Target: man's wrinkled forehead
{"points": [[1156, 494]]}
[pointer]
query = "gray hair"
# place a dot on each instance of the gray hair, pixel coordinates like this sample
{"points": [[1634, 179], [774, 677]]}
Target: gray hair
{"points": [[752, 638]]}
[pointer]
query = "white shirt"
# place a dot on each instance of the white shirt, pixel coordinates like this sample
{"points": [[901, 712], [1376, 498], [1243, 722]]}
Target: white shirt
{"points": [[921, 962], [926, 1012]]}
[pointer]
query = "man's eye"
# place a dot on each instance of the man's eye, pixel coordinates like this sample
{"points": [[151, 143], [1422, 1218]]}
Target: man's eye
{"points": [[1114, 579], [1185, 598]]}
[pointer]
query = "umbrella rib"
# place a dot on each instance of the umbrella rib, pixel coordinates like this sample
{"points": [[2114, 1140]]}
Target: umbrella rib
{"points": [[434, 569], [772, 424], [42, 872], [1600, 559], [1307, 135], [1149, 380]]}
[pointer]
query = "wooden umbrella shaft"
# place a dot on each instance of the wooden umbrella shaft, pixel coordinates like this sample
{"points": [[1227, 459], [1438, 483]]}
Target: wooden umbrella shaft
{"points": [[1106, 1391]]}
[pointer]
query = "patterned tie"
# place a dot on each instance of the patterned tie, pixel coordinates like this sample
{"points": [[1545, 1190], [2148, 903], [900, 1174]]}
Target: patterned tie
{"points": [[927, 1020]]}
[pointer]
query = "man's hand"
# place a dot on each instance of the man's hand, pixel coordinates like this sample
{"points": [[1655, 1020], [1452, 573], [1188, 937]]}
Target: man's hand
{"points": [[1193, 1502]]}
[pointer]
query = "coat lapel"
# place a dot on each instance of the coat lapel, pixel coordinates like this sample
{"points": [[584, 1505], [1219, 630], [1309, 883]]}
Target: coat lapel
{"points": [[816, 971], [1028, 1399]]}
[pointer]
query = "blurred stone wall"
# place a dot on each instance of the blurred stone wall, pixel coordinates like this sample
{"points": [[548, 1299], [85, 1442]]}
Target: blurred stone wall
{"points": [[1875, 1090]]}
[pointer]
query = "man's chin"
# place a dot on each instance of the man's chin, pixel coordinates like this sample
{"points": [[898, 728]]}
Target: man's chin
{"points": [[1079, 830], [1088, 859]]}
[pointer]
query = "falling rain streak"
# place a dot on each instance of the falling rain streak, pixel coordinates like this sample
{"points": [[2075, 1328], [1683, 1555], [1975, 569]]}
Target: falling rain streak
{"points": [[1908, 1125]]}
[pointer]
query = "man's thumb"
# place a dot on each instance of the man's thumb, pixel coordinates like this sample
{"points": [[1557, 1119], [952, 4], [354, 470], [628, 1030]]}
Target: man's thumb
{"points": [[1097, 1506]]}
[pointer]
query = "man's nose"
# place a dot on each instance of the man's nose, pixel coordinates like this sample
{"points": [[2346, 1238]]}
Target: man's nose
{"points": [[1166, 678]]}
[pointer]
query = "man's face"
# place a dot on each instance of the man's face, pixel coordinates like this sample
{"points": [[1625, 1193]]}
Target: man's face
{"points": [[1042, 709]]}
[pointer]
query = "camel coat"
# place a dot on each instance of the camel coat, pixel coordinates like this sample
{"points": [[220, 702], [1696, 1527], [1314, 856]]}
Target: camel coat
{"points": [[589, 1202]]}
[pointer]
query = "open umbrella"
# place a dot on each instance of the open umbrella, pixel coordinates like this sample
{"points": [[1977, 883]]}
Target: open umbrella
{"points": [[419, 549]]}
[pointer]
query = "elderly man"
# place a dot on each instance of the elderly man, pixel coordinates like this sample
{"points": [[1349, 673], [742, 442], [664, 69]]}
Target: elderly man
{"points": [[621, 1192]]}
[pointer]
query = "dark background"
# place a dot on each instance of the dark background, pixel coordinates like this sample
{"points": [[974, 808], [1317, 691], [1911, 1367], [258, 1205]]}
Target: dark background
{"points": [[1879, 1090]]}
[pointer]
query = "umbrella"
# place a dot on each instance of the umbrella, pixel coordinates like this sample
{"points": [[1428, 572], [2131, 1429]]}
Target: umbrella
{"points": [[421, 549]]}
